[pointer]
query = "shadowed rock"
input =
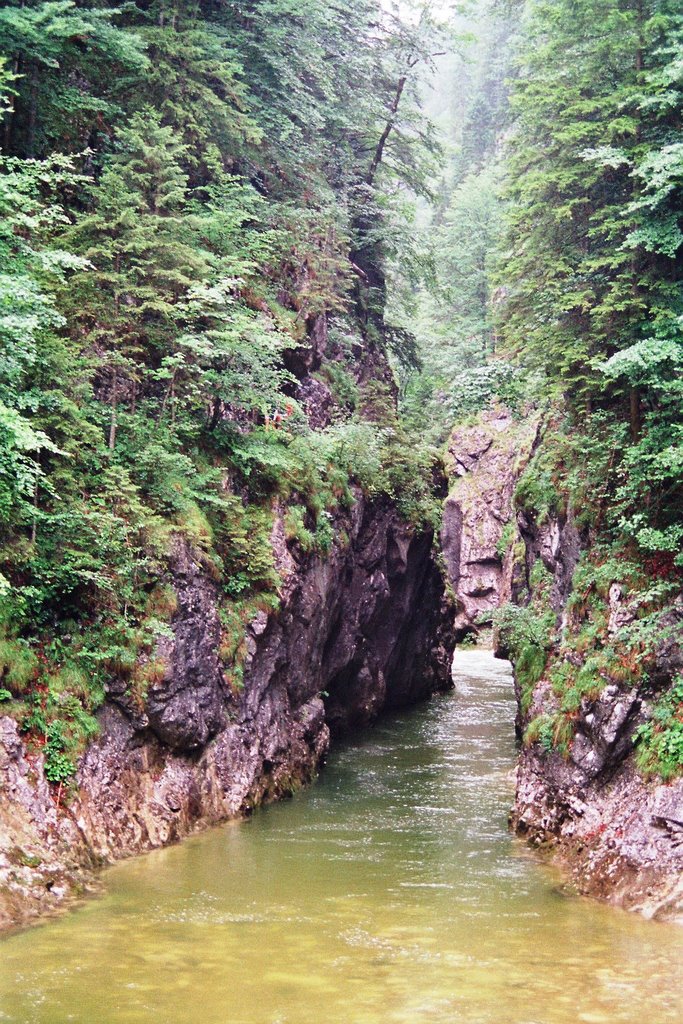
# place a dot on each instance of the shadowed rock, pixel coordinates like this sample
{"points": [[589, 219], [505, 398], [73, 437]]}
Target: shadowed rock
{"points": [[361, 629]]}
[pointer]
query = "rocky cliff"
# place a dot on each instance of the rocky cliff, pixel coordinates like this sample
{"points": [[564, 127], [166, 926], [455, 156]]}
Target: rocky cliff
{"points": [[618, 832], [364, 628], [479, 518], [579, 792]]}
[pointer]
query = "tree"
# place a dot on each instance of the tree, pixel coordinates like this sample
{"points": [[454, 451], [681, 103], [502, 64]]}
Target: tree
{"points": [[145, 255], [71, 66], [578, 288], [594, 247]]}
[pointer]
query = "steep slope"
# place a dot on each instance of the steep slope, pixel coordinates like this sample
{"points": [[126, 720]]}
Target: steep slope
{"points": [[584, 685], [479, 518], [359, 630]]}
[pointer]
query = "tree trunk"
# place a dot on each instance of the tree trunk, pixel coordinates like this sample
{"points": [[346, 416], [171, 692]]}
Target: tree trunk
{"points": [[393, 110], [641, 41], [215, 413], [34, 524], [634, 414], [9, 113], [32, 111], [112, 423]]}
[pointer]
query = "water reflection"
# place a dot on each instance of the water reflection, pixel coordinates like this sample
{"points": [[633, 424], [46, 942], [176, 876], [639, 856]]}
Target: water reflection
{"points": [[389, 892]]}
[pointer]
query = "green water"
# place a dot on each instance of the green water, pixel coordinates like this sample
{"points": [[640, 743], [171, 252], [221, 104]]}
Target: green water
{"points": [[389, 892]]}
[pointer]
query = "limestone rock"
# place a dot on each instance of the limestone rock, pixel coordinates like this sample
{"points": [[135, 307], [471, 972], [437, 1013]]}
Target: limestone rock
{"points": [[620, 836], [485, 463], [361, 629]]}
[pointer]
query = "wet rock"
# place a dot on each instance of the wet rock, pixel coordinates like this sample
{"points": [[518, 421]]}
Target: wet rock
{"points": [[620, 615], [617, 837], [616, 832]]}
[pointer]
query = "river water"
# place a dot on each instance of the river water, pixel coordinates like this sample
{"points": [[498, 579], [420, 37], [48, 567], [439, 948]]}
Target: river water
{"points": [[389, 893]]}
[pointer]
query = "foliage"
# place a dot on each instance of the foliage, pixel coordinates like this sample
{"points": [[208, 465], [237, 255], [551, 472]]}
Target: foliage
{"points": [[189, 197], [557, 249], [452, 312], [507, 536], [552, 732], [592, 245], [526, 634], [536, 490], [660, 740]]}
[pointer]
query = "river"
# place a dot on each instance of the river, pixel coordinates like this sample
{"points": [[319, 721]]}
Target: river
{"points": [[388, 893]]}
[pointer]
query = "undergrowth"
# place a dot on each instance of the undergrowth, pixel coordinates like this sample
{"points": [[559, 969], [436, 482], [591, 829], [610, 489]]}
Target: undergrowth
{"points": [[90, 595], [659, 741]]}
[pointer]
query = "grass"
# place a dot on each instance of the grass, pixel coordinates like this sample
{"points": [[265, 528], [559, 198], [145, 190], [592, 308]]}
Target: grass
{"points": [[552, 732], [18, 666]]}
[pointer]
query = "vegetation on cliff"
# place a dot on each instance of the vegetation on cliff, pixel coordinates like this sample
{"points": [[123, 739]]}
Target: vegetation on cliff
{"points": [[199, 205], [558, 250], [593, 250], [219, 266]]}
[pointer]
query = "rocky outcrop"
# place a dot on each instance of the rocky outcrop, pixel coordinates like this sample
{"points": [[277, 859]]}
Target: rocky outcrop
{"points": [[619, 835], [479, 519], [359, 630]]}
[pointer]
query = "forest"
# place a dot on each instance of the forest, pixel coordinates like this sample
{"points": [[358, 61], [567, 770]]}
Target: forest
{"points": [[271, 251]]}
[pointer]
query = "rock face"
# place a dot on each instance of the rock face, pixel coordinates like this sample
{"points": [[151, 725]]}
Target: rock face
{"points": [[479, 517], [620, 836], [359, 630]]}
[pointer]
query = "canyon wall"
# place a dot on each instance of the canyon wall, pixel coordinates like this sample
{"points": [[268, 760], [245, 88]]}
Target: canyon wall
{"points": [[359, 630], [618, 833]]}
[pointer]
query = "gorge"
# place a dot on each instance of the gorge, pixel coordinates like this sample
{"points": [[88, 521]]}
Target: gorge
{"points": [[359, 631], [367, 628], [389, 890], [341, 476]]}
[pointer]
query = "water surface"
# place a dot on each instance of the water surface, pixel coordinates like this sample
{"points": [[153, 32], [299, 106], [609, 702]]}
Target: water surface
{"points": [[388, 893]]}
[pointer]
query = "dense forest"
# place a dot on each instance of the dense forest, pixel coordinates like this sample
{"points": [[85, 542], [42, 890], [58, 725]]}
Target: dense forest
{"points": [[198, 199], [262, 251], [557, 250]]}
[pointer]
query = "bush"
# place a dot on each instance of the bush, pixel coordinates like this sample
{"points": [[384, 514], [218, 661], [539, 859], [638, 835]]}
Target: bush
{"points": [[519, 627], [527, 635], [660, 740], [537, 491]]}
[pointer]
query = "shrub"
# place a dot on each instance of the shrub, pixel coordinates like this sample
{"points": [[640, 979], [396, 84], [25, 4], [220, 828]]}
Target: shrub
{"points": [[518, 627], [540, 730], [536, 491], [296, 529], [527, 635], [660, 740]]}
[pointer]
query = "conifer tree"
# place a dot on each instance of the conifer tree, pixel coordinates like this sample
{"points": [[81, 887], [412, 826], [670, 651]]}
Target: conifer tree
{"points": [[582, 283], [145, 255]]}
